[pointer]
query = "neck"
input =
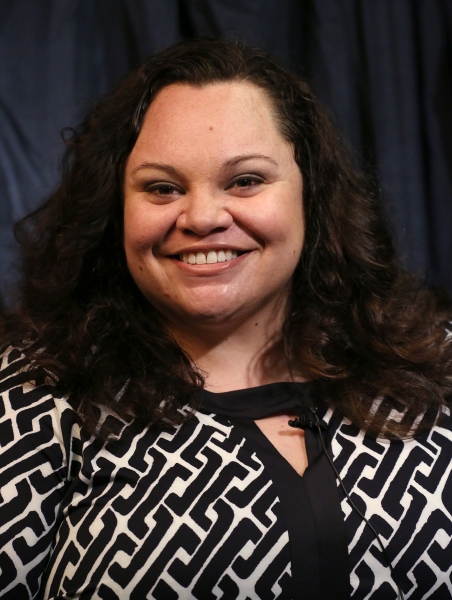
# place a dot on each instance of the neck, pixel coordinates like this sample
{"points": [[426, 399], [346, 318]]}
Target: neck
{"points": [[248, 355]]}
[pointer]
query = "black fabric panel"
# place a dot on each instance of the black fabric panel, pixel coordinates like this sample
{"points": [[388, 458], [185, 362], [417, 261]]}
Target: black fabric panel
{"points": [[317, 534], [321, 487], [297, 510]]}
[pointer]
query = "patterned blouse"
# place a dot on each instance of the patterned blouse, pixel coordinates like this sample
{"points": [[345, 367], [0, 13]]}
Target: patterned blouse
{"points": [[210, 509]]}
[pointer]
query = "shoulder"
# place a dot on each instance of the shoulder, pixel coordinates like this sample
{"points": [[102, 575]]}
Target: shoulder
{"points": [[38, 455], [32, 413], [404, 488], [381, 468]]}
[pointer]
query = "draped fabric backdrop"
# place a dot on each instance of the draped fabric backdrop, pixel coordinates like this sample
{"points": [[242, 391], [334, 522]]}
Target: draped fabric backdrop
{"points": [[383, 68]]}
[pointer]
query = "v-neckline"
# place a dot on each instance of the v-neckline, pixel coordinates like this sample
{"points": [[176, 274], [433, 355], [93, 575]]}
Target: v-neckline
{"points": [[258, 403], [310, 503]]}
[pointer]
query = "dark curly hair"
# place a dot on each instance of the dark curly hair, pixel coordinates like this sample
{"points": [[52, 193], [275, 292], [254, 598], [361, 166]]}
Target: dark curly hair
{"points": [[368, 337]]}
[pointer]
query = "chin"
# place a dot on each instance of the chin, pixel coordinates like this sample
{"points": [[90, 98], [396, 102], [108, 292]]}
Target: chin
{"points": [[201, 317], [211, 316]]}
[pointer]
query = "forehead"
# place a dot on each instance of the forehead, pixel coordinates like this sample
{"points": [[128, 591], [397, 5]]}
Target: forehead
{"points": [[232, 117], [218, 100]]}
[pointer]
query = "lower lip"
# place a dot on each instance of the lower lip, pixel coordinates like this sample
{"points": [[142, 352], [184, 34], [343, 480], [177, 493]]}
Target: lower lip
{"points": [[210, 269]]}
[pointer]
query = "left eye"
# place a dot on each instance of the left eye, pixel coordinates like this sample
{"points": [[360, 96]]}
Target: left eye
{"points": [[246, 182], [162, 188]]}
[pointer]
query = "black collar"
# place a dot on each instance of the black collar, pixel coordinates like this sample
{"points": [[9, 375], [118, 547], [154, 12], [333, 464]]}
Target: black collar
{"points": [[257, 402]]}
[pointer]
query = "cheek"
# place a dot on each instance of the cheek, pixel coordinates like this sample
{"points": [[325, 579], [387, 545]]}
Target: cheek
{"points": [[142, 231], [283, 224], [132, 227]]}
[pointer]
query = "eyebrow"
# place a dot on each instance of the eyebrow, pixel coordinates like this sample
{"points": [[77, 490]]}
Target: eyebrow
{"points": [[232, 162], [158, 166]]}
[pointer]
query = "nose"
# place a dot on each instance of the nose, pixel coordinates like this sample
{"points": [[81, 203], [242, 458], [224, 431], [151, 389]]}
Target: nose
{"points": [[204, 211]]}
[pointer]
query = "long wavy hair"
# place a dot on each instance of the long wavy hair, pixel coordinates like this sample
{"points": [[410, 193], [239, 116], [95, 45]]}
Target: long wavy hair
{"points": [[373, 343]]}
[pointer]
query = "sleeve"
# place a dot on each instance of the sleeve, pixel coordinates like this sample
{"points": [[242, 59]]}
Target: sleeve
{"points": [[36, 438]]}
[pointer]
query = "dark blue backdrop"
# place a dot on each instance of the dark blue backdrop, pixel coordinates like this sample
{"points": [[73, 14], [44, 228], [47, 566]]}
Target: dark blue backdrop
{"points": [[383, 68]]}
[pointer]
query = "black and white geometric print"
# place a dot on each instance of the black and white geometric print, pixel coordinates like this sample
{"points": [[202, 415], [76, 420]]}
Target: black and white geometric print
{"points": [[186, 514], [192, 512], [404, 488], [33, 472], [172, 515]]}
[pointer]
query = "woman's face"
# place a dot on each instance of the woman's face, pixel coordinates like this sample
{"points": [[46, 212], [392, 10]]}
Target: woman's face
{"points": [[213, 219]]}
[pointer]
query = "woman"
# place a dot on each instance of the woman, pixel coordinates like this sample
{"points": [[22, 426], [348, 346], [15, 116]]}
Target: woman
{"points": [[210, 268]]}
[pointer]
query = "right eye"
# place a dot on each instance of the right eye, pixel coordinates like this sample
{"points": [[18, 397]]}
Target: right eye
{"points": [[164, 191]]}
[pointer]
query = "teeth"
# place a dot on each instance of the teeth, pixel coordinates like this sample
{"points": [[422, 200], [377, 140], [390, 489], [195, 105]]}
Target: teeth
{"points": [[200, 258], [212, 257]]}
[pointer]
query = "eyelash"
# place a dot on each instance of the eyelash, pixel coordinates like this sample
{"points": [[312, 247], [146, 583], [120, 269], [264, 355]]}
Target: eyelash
{"points": [[252, 179], [169, 189], [157, 188]]}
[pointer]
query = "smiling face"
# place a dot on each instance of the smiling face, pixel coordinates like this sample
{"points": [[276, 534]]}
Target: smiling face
{"points": [[213, 219]]}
